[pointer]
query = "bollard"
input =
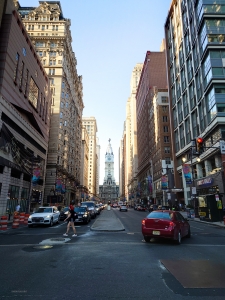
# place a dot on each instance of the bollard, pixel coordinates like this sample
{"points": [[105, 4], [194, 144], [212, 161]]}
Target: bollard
{"points": [[3, 223]]}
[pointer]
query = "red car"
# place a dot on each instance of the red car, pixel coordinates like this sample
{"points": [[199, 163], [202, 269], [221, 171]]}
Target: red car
{"points": [[165, 224]]}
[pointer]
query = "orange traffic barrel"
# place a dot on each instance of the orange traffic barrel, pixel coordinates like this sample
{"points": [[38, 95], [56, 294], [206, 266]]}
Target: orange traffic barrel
{"points": [[3, 223], [26, 219], [22, 217], [16, 221]]}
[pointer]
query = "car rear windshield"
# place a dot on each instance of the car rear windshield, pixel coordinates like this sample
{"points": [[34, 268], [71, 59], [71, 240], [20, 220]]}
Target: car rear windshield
{"points": [[160, 215], [78, 209]]}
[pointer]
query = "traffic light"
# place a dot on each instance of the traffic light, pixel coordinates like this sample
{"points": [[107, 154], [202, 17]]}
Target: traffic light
{"points": [[199, 143]]}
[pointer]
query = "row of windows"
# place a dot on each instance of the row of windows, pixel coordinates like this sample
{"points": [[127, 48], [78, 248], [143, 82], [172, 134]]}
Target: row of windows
{"points": [[29, 88], [42, 27]]}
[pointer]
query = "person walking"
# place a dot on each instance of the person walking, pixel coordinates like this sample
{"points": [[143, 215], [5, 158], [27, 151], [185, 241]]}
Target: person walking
{"points": [[18, 207], [71, 220]]}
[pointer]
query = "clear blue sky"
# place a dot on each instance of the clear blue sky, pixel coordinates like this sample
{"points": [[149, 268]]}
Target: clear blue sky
{"points": [[109, 38]]}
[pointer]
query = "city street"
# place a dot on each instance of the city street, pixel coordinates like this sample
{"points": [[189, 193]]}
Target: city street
{"points": [[111, 265]]}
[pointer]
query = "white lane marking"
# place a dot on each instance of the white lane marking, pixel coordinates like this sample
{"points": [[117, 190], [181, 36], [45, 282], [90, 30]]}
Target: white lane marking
{"points": [[196, 228], [62, 225]]}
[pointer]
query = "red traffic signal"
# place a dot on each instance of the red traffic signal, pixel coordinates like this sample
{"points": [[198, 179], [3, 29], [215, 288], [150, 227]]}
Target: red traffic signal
{"points": [[199, 142]]}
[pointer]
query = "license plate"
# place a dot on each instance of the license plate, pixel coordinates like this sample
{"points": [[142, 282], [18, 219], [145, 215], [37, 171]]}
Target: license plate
{"points": [[79, 217], [156, 232]]}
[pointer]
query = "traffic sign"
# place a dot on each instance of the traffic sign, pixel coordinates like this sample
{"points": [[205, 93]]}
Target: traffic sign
{"points": [[222, 146]]}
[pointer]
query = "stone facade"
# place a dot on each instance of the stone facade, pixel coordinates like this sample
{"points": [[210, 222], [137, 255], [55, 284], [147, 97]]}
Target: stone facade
{"points": [[51, 36], [24, 116]]}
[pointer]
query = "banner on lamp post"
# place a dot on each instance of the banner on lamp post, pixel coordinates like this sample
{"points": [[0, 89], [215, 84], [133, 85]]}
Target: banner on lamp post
{"points": [[164, 182], [187, 173]]}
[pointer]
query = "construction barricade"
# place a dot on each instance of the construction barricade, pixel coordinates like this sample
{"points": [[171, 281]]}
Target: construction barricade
{"points": [[16, 220], [26, 219], [3, 223], [22, 217]]}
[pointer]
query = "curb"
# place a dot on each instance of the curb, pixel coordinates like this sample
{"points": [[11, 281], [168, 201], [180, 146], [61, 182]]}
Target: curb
{"points": [[212, 224]]}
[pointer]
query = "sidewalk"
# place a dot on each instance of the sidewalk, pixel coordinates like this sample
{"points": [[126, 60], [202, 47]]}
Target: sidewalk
{"points": [[107, 221], [218, 224]]}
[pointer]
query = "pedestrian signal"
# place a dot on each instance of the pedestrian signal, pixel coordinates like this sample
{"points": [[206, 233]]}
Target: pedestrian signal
{"points": [[200, 146]]}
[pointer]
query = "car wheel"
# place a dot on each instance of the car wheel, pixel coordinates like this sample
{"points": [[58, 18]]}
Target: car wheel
{"points": [[51, 223], [178, 241], [189, 233], [147, 239]]}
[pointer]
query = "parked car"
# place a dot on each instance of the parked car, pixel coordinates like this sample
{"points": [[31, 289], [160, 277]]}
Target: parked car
{"points": [[165, 224], [153, 207], [91, 207], [44, 216], [114, 205], [98, 209], [141, 208], [123, 208], [82, 214], [64, 213]]}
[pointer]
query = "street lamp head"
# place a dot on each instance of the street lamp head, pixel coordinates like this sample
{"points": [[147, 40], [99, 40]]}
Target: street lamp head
{"points": [[198, 159], [184, 159]]}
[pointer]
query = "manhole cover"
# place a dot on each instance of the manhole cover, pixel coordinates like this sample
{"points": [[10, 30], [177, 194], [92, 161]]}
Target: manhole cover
{"points": [[58, 240], [43, 247]]}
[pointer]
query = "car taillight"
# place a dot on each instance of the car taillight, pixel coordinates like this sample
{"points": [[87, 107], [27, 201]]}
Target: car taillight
{"points": [[143, 222], [172, 225]]}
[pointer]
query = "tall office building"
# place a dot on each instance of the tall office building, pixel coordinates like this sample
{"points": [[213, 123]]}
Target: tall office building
{"points": [[131, 134], [83, 188], [195, 43], [153, 76], [24, 115], [91, 126], [50, 33], [98, 148]]}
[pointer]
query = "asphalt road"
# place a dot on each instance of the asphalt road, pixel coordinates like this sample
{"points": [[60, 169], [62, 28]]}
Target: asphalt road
{"points": [[111, 265]]}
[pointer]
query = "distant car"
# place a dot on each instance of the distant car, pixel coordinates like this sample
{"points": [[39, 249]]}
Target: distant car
{"points": [[114, 205], [141, 208], [153, 207], [82, 214], [98, 209], [44, 216], [165, 207], [123, 208], [165, 224], [91, 207], [64, 213]]}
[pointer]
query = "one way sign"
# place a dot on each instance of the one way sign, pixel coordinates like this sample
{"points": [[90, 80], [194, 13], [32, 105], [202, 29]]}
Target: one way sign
{"points": [[222, 147]]}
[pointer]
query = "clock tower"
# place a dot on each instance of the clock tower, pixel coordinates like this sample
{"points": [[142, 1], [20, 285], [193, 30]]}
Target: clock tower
{"points": [[109, 191]]}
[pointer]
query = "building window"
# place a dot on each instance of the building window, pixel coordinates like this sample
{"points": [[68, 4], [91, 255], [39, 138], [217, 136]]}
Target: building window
{"points": [[165, 129], [167, 149], [16, 67], [33, 93], [167, 160], [166, 139], [164, 99], [21, 76], [165, 119]]}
